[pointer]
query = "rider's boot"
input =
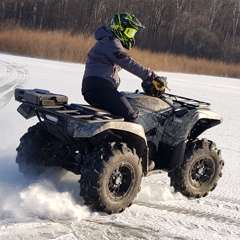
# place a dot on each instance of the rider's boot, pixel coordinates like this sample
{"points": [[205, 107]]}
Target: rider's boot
{"points": [[151, 165]]}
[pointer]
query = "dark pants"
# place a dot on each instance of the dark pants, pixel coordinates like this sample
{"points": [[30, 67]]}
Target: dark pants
{"points": [[113, 101]]}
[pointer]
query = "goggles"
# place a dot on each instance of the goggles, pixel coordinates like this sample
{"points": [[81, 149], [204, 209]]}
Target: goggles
{"points": [[130, 32]]}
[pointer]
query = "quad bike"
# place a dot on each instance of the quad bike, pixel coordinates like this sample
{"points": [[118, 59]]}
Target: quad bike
{"points": [[112, 155]]}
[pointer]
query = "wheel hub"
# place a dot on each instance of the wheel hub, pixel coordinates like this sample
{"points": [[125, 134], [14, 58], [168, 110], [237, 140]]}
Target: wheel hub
{"points": [[202, 172], [117, 179], [119, 182]]}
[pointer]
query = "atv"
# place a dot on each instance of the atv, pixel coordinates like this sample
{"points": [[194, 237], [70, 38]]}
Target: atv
{"points": [[113, 155]]}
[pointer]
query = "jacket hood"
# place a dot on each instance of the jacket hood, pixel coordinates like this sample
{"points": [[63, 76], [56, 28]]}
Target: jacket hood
{"points": [[102, 32]]}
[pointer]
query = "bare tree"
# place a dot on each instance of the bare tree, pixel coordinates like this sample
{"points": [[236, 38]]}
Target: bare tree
{"points": [[206, 28], [179, 4], [215, 6], [236, 17]]}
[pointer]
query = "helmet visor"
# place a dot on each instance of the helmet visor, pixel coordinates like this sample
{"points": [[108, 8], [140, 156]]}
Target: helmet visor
{"points": [[130, 32]]}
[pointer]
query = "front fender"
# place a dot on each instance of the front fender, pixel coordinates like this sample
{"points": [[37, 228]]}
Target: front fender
{"points": [[205, 119], [206, 114], [188, 126]]}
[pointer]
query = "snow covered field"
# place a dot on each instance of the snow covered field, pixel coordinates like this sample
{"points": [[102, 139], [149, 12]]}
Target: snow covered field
{"points": [[50, 208]]}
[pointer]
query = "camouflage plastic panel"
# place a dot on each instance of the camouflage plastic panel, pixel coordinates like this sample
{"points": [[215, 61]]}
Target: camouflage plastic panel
{"points": [[147, 102], [151, 110], [170, 129], [150, 122], [84, 129], [177, 129]]}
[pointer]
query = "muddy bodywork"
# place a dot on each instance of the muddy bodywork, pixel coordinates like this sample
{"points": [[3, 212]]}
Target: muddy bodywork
{"points": [[166, 124], [170, 123]]}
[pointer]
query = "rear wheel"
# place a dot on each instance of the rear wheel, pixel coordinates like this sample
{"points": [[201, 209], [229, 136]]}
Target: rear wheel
{"points": [[200, 170], [111, 178], [30, 150]]}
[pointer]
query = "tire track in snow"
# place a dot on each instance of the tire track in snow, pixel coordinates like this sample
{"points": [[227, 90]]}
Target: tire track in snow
{"points": [[138, 232], [206, 210], [200, 212], [113, 230], [15, 76], [225, 199]]}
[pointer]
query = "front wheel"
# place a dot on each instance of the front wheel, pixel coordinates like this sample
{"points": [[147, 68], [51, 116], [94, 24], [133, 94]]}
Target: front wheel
{"points": [[111, 178], [200, 170]]}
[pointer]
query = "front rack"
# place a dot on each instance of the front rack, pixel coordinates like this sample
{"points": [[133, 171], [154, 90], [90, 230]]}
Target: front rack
{"points": [[185, 102]]}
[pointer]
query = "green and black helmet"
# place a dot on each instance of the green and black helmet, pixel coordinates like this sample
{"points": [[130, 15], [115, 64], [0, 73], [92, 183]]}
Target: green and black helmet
{"points": [[125, 26]]}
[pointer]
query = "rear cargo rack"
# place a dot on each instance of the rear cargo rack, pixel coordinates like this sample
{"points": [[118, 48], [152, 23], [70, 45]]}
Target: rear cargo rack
{"points": [[93, 116], [52, 106]]}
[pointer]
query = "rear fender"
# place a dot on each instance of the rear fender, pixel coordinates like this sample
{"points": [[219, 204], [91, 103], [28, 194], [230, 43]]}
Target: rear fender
{"points": [[131, 133], [84, 129]]}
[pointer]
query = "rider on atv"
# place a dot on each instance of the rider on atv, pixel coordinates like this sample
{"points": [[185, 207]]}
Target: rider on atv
{"points": [[110, 154], [106, 58]]}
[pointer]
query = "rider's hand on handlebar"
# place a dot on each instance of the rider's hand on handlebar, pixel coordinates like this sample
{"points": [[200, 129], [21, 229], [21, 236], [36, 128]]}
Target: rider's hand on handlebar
{"points": [[160, 83]]}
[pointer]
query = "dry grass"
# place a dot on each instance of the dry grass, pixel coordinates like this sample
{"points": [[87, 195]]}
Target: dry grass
{"points": [[55, 45], [183, 64], [64, 46]]}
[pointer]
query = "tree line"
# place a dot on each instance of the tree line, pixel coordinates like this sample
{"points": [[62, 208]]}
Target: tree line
{"points": [[205, 29]]}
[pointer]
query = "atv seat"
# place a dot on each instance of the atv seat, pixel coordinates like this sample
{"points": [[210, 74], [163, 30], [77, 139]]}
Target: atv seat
{"points": [[89, 113], [87, 109]]}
